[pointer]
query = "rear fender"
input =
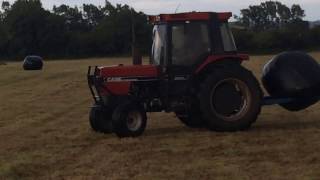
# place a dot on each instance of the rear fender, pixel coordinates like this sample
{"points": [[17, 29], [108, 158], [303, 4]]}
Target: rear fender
{"points": [[218, 59], [226, 63]]}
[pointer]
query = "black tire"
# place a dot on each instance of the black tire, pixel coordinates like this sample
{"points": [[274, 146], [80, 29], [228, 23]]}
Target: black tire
{"points": [[191, 117], [101, 119], [129, 120], [230, 99]]}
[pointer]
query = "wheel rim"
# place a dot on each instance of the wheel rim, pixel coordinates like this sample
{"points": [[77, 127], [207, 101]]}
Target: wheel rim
{"points": [[134, 120], [238, 103]]}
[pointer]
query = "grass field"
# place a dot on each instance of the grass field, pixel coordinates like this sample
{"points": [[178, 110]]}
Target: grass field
{"points": [[45, 134]]}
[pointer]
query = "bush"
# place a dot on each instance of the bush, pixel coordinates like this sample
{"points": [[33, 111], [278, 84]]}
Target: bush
{"points": [[277, 40]]}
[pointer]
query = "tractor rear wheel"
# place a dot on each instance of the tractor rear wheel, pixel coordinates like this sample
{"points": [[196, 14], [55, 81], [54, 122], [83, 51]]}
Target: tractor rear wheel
{"points": [[230, 99], [129, 120], [100, 119], [191, 117]]}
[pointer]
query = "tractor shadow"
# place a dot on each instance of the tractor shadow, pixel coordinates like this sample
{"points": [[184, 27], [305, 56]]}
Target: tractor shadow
{"points": [[287, 125], [169, 131], [261, 127]]}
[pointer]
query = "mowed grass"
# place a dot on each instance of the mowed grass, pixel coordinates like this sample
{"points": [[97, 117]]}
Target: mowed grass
{"points": [[45, 134]]}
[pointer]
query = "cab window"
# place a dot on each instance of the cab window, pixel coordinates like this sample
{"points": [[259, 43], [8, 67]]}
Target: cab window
{"points": [[190, 41], [227, 38]]}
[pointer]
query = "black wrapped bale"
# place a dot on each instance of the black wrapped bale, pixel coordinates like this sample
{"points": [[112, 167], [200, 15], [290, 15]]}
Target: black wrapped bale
{"points": [[295, 75], [33, 63]]}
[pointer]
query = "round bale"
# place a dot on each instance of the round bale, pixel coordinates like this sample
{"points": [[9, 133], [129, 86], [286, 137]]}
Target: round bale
{"points": [[33, 63], [294, 75]]}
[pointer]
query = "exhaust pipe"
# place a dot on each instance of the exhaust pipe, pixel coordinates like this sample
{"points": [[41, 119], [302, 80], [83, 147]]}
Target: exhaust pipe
{"points": [[136, 56]]}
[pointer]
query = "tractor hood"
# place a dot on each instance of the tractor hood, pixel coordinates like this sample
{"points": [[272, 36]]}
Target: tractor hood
{"points": [[129, 71], [117, 80]]}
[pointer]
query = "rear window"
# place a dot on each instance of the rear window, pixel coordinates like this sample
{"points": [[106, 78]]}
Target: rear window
{"points": [[227, 38]]}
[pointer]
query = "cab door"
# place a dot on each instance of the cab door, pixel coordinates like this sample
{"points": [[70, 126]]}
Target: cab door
{"points": [[189, 45]]}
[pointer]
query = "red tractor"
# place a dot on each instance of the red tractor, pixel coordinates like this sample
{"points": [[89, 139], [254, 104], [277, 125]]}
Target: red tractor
{"points": [[195, 71]]}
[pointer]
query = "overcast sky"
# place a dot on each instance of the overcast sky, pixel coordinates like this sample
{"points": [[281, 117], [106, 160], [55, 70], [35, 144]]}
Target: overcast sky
{"points": [[169, 6]]}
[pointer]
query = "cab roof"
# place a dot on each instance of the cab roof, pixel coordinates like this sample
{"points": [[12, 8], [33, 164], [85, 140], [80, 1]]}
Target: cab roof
{"points": [[190, 16]]}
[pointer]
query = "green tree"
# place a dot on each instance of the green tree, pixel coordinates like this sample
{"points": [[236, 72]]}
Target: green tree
{"points": [[4, 36], [92, 14], [297, 13], [115, 31], [27, 28], [25, 20], [74, 20], [270, 15], [5, 6], [33, 30]]}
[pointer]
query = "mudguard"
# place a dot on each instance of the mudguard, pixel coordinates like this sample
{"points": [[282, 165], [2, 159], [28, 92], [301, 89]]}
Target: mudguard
{"points": [[215, 58]]}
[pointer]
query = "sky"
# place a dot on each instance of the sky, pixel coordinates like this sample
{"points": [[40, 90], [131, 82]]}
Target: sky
{"points": [[169, 6]]}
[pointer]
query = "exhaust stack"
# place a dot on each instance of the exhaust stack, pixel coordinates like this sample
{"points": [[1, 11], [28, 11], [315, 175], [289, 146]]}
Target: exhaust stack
{"points": [[136, 56]]}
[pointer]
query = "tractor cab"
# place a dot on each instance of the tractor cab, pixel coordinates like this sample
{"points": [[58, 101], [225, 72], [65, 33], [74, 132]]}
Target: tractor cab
{"points": [[185, 41]]}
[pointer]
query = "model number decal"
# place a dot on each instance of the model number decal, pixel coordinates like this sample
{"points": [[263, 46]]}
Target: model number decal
{"points": [[113, 79], [129, 79], [137, 79]]}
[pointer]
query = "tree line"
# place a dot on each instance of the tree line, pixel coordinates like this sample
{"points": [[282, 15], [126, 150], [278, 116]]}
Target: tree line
{"points": [[272, 27], [72, 32], [27, 28]]}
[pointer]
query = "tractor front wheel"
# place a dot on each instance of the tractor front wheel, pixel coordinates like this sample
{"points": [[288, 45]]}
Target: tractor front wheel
{"points": [[230, 99], [129, 120], [100, 119]]}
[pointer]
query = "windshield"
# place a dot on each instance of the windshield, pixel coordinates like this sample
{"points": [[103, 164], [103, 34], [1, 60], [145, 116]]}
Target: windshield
{"points": [[159, 44], [227, 38]]}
